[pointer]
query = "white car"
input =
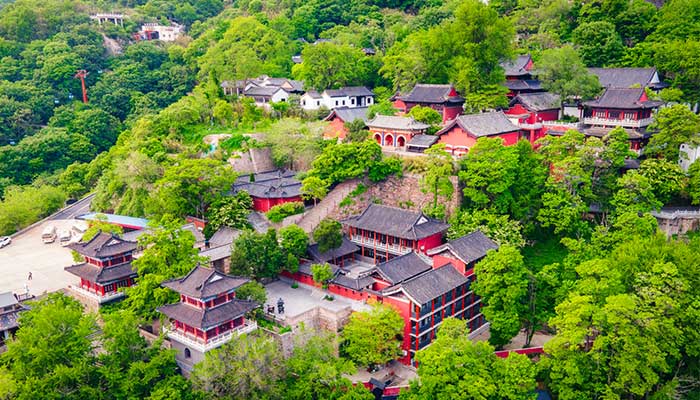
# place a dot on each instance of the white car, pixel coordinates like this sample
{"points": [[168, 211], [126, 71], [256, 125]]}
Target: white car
{"points": [[5, 241]]}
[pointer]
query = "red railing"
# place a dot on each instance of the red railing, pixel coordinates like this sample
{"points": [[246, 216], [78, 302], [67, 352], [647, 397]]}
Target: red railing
{"points": [[526, 351]]}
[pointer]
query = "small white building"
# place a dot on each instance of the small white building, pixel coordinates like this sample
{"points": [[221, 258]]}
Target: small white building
{"points": [[688, 155], [166, 33], [352, 97]]}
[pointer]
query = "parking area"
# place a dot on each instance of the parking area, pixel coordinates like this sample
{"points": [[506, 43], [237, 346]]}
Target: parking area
{"points": [[28, 253]]}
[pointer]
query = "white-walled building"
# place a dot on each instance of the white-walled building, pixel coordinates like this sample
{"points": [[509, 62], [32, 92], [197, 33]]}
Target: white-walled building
{"points": [[166, 33], [352, 97]]}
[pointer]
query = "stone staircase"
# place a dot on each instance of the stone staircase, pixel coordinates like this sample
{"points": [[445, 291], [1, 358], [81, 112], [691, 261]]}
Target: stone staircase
{"points": [[313, 217]]}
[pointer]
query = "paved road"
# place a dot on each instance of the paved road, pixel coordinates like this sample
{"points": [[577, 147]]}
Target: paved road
{"points": [[80, 207]]}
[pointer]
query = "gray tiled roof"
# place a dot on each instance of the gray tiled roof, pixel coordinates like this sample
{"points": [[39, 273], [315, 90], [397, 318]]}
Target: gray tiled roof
{"points": [[224, 236], [402, 268], [622, 98], [258, 222], [347, 114], [204, 282], [468, 248], [538, 101], [436, 282], [103, 245], [267, 91], [346, 247], [396, 222], [313, 94], [524, 85], [353, 283], [426, 93], [198, 235], [7, 299], [216, 253], [275, 184], [102, 275], [518, 66], [623, 77], [354, 91], [398, 123], [208, 318], [423, 141], [485, 124]]}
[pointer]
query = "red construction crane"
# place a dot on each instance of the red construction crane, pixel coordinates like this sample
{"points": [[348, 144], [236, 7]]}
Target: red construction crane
{"points": [[81, 74]]}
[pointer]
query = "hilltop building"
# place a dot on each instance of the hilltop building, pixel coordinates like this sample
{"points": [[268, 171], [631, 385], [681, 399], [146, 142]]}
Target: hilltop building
{"points": [[394, 131], [461, 134], [269, 189], [350, 97]]}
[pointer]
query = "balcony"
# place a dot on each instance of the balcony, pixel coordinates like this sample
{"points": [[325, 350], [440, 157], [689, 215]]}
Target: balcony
{"points": [[99, 298], [625, 123], [202, 345], [391, 248]]}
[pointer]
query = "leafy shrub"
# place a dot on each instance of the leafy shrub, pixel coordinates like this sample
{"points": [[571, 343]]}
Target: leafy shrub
{"points": [[235, 142], [282, 211]]}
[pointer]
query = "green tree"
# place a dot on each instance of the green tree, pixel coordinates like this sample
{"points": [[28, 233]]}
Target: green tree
{"points": [[694, 183], [665, 177], [454, 367], [488, 172], [635, 194], [322, 273], [675, 125], [314, 187], [436, 178], [330, 66], [499, 228], [252, 291], [168, 253], [258, 255], [328, 234], [372, 337], [231, 211], [314, 371], [563, 72], [426, 115], [357, 131], [191, 186], [247, 367], [599, 44], [294, 240]]}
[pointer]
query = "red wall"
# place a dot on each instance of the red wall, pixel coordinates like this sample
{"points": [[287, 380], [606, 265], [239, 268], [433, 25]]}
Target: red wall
{"points": [[401, 106], [264, 205], [299, 277], [430, 242], [336, 129], [440, 260], [404, 308], [449, 113], [458, 137]]}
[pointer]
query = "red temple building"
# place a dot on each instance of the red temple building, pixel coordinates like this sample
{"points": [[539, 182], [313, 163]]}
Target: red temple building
{"points": [[269, 189], [630, 109], [386, 232], [441, 98], [393, 131], [207, 316], [107, 268], [529, 110], [425, 291], [519, 77], [461, 134], [341, 116]]}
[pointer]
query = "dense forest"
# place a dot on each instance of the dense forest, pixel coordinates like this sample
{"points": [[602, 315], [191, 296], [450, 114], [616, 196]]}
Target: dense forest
{"points": [[620, 299]]}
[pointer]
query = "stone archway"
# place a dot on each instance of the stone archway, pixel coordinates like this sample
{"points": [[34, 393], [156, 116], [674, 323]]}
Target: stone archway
{"points": [[378, 138], [400, 141]]}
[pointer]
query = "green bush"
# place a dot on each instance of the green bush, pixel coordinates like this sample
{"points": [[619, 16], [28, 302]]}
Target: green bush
{"points": [[282, 211], [235, 142]]}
